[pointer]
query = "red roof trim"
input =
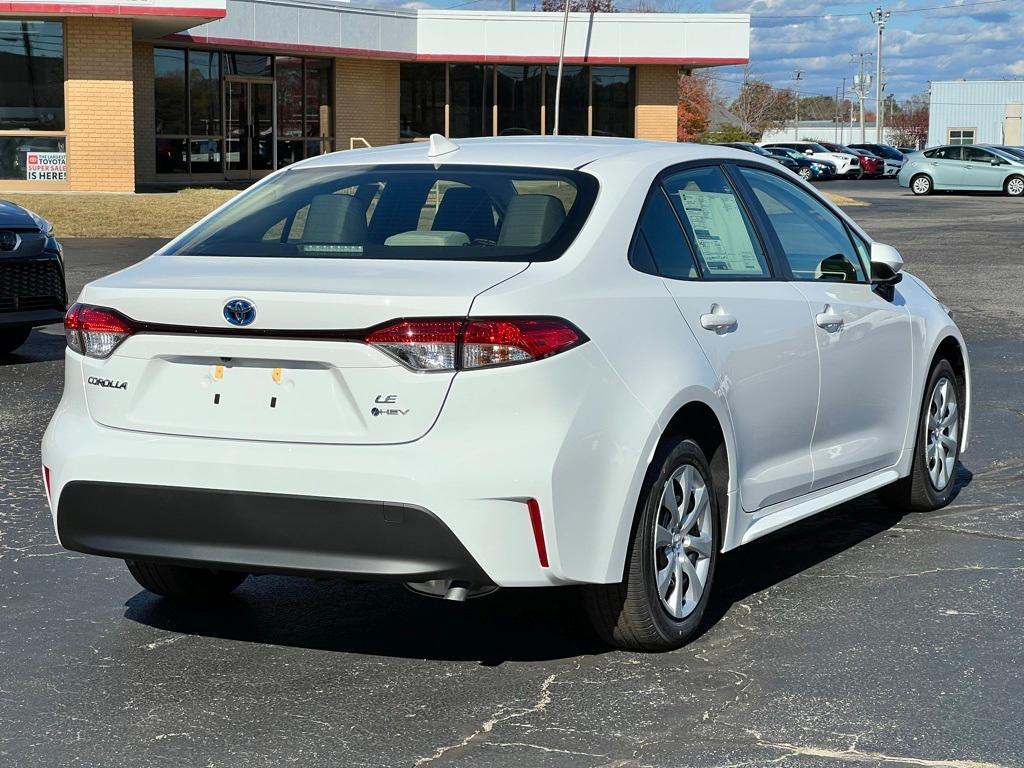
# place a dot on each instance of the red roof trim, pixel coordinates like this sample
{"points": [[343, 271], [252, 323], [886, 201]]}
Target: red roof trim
{"points": [[369, 53], [71, 9]]}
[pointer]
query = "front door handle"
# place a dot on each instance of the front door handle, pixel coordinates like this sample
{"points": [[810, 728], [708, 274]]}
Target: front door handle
{"points": [[829, 320], [717, 320]]}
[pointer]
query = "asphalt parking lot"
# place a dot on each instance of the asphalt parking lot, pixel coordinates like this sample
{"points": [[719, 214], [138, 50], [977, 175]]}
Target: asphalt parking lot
{"points": [[859, 636]]}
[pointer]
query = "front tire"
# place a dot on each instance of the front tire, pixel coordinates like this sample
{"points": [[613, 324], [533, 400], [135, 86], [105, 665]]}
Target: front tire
{"points": [[1014, 186], [921, 185], [12, 338], [806, 173], [932, 479], [179, 582], [670, 569]]}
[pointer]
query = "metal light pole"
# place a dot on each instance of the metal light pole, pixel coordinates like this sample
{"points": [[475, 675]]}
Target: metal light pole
{"points": [[880, 17], [561, 61], [797, 74]]}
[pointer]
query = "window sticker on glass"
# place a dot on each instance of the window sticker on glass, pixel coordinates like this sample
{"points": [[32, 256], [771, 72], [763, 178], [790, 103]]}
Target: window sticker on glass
{"points": [[720, 232]]}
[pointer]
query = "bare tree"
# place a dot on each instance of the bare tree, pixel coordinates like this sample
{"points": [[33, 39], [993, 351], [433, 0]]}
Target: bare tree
{"points": [[580, 6], [908, 124], [760, 106]]}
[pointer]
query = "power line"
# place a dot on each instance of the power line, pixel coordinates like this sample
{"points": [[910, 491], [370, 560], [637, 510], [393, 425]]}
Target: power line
{"points": [[902, 12]]}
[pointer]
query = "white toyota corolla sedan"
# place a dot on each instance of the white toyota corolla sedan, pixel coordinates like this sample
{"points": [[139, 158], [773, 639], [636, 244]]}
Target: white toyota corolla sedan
{"points": [[508, 362]]}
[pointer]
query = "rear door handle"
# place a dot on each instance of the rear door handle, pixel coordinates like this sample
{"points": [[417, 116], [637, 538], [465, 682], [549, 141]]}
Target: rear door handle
{"points": [[829, 320], [717, 320]]}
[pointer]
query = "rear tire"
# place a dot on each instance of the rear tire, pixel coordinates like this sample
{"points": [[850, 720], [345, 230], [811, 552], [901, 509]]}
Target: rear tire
{"points": [[660, 603], [922, 185], [182, 583], [12, 338], [932, 479], [1014, 186]]}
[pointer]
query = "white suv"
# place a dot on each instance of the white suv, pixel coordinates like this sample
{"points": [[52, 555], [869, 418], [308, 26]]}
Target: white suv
{"points": [[846, 164], [512, 363]]}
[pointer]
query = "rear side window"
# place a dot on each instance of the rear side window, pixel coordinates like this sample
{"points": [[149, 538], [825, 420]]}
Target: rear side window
{"points": [[463, 213], [724, 240], [814, 240], [943, 153], [661, 243]]}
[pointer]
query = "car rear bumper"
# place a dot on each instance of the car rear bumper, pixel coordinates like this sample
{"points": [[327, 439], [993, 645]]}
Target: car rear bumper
{"points": [[505, 437], [262, 532]]}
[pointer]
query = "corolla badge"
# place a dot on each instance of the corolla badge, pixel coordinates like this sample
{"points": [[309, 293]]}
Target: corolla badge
{"points": [[239, 311]]}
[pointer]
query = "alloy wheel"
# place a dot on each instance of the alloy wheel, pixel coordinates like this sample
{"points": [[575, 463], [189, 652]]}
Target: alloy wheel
{"points": [[922, 185], [683, 542], [943, 433], [1015, 187], [805, 173]]}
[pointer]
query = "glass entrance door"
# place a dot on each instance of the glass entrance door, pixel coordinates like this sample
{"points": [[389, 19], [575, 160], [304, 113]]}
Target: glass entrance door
{"points": [[250, 129]]}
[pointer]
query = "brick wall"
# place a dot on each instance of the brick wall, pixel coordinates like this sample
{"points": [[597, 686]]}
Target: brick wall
{"points": [[145, 117], [366, 101], [98, 93], [657, 97]]}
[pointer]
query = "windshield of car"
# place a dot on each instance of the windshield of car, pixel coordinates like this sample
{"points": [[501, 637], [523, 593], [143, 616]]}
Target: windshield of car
{"points": [[1008, 153], [452, 213], [814, 147]]}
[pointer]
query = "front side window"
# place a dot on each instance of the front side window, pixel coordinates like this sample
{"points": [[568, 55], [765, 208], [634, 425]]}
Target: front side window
{"points": [[464, 213], [978, 155], [814, 241], [716, 224]]}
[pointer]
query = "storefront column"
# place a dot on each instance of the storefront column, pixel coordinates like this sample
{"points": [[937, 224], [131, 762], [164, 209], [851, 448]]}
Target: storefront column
{"points": [[365, 102], [100, 120], [657, 102]]}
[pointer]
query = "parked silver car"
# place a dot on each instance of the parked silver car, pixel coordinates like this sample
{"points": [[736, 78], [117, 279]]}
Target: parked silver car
{"points": [[964, 167]]}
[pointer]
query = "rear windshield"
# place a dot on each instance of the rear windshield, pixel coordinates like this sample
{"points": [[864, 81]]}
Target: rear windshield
{"points": [[456, 213]]}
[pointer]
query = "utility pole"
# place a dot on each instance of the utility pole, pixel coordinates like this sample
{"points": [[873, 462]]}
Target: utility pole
{"points": [[861, 84], [797, 74], [842, 120], [879, 17]]}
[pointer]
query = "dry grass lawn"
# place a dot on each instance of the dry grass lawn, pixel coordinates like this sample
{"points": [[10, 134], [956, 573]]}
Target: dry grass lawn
{"points": [[164, 214], [151, 215]]}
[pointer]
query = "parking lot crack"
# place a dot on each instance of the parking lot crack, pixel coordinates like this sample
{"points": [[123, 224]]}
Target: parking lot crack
{"points": [[854, 755], [502, 715]]}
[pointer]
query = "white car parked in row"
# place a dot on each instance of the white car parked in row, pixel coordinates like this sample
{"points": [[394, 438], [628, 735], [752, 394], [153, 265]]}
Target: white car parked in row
{"points": [[846, 164], [510, 362]]}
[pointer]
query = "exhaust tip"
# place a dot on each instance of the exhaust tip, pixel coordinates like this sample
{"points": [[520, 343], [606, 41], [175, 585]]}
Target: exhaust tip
{"points": [[458, 591]]}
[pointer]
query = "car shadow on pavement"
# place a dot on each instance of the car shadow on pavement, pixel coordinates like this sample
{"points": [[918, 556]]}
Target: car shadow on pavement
{"points": [[384, 619], [792, 550], [43, 345]]}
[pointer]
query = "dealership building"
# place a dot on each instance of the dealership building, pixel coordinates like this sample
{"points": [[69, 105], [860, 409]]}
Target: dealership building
{"points": [[139, 93], [976, 112]]}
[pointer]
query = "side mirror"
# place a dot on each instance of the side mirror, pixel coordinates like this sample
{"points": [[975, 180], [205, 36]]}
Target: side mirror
{"points": [[886, 264], [886, 255], [996, 161], [808, 151]]}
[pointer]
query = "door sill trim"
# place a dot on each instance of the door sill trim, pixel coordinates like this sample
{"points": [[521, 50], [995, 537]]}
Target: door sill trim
{"points": [[780, 515]]}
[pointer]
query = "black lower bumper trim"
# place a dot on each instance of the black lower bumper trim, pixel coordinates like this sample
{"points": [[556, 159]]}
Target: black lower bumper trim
{"points": [[262, 533], [31, 318]]}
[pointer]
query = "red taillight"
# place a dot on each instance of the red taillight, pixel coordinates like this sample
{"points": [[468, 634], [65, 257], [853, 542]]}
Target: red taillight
{"points": [[448, 344], [95, 331]]}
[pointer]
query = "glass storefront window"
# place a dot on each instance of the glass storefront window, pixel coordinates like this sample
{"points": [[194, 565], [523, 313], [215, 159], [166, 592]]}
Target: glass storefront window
{"points": [[32, 79], [572, 115], [519, 89], [318, 94], [612, 101], [171, 156], [289, 98], [204, 155], [422, 100], [472, 98], [252, 64], [169, 91], [14, 152], [204, 92]]}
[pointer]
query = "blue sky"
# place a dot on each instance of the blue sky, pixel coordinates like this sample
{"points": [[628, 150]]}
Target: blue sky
{"points": [[973, 39]]}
